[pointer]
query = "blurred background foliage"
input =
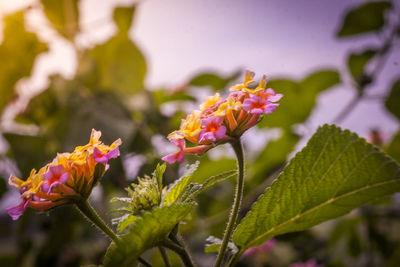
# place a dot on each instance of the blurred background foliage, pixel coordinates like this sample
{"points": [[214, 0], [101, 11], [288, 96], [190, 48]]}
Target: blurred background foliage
{"points": [[108, 93]]}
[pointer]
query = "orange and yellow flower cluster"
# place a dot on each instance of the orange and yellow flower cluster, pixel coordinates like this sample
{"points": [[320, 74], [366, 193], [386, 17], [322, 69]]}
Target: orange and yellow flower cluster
{"points": [[69, 176], [220, 120]]}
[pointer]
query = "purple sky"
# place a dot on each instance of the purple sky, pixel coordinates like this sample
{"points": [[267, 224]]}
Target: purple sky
{"points": [[182, 37]]}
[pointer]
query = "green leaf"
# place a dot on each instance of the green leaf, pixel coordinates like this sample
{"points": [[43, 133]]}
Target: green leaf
{"points": [[146, 232], [211, 168], [18, 52], [217, 179], [176, 189], [369, 17], [192, 190], [64, 16], [158, 175], [336, 172], [393, 149], [179, 186], [214, 244], [393, 100], [117, 65], [299, 98], [357, 62], [124, 221], [214, 81]]}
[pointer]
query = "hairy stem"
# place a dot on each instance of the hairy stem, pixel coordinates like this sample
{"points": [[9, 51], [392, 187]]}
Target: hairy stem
{"points": [[237, 147], [235, 258], [91, 214], [88, 211], [185, 257]]}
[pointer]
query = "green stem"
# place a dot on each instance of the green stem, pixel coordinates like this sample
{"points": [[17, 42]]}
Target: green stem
{"points": [[91, 214], [164, 255], [185, 257], [235, 259], [237, 147], [88, 211], [144, 262]]}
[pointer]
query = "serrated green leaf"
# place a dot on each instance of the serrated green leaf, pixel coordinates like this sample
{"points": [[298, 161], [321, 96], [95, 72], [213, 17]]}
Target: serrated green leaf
{"points": [[336, 172], [218, 178], [158, 175], [299, 98], [124, 221], [393, 149], [190, 190], [179, 186], [196, 189], [18, 52], [64, 16], [146, 232], [176, 189], [393, 100], [211, 168], [357, 62], [369, 17], [213, 80]]}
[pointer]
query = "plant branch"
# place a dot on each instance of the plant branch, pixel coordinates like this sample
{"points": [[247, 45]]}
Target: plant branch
{"points": [[235, 258], [144, 262], [381, 60], [88, 211], [185, 257], [164, 255], [237, 147], [347, 109]]}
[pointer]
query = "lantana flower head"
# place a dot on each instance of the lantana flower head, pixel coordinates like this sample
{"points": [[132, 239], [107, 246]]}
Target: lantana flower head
{"points": [[221, 120], [68, 177]]}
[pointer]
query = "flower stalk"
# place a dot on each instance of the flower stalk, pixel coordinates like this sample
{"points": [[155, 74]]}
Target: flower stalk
{"points": [[237, 147], [87, 210], [181, 251]]}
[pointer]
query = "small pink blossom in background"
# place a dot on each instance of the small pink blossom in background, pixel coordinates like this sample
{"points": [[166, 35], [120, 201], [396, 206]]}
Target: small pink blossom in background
{"points": [[376, 137], [309, 263], [264, 248]]}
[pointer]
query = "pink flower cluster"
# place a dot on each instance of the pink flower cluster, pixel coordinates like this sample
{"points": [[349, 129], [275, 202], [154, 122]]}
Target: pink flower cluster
{"points": [[220, 120], [68, 176]]}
